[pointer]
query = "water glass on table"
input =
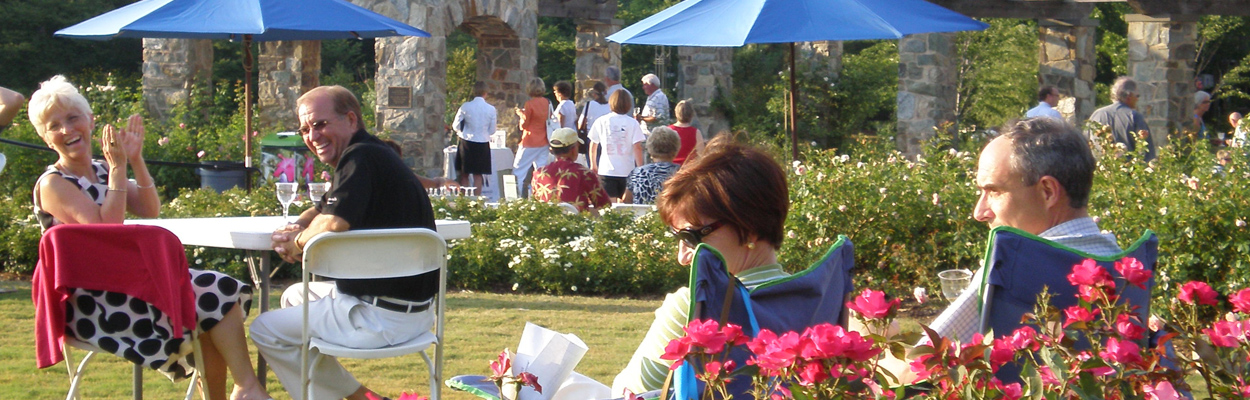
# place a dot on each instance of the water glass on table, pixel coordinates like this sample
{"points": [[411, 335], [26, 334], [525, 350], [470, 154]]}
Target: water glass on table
{"points": [[316, 190], [954, 282], [286, 195]]}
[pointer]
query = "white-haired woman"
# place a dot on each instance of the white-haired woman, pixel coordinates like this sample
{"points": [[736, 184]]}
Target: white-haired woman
{"points": [[79, 190]]}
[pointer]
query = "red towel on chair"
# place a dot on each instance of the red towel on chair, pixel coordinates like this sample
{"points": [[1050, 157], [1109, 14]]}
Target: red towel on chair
{"points": [[143, 261]]}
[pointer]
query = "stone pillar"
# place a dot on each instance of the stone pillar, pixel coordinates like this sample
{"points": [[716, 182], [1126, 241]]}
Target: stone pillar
{"points": [[821, 57], [926, 87], [170, 68], [413, 71], [594, 52], [705, 75], [287, 70], [1066, 61], [1161, 55]]}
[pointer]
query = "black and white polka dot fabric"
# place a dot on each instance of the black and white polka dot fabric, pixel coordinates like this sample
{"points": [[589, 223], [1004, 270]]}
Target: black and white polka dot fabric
{"points": [[129, 327]]}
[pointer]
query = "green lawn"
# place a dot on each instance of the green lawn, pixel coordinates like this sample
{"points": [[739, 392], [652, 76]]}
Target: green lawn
{"points": [[479, 326]]}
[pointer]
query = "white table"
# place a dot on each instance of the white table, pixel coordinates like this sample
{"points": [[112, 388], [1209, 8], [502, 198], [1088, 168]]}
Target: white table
{"points": [[252, 234]]}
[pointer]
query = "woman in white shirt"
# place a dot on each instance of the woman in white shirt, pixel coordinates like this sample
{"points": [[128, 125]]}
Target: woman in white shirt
{"points": [[566, 110], [475, 121], [616, 145]]}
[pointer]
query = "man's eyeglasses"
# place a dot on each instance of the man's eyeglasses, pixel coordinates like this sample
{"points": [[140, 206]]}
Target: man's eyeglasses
{"points": [[694, 236], [318, 125]]}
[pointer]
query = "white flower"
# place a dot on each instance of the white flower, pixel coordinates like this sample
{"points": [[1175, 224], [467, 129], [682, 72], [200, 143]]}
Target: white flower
{"points": [[790, 234], [515, 286], [882, 190], [574, 287], [937, 199], [842, 208], [1240, 223], [921, 295], [1163, 211]]}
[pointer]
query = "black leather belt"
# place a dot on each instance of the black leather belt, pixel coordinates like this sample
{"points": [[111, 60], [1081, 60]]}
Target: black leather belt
{"points": [[394, 306]]}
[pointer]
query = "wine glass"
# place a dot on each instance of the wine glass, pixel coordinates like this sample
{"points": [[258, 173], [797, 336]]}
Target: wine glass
{"points": [[954, 282], [316, 190], [286, 194]]}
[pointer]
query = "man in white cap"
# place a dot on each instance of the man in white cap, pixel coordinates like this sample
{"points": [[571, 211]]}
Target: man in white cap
{"points": [[566, 181]]}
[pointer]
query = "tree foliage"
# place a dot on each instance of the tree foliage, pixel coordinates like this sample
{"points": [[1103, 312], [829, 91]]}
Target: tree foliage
{"points": [[30, 54]]}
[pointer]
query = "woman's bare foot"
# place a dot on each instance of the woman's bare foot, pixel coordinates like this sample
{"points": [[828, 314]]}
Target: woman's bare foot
{"points": [[253, 393]]}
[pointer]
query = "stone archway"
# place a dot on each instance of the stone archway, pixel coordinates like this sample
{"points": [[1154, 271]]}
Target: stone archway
{"points": [[412, 72]]}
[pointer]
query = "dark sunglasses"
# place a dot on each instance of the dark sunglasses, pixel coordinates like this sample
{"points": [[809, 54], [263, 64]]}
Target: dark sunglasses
{"points": [[694, 236]]}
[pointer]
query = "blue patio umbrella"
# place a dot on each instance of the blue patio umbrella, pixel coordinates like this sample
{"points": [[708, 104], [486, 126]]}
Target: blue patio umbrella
{"points": [[731, 23], [246, 20]]}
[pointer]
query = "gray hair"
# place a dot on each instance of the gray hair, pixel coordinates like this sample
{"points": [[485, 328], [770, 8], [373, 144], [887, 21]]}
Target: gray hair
{"points": [[1046, 147], [651, 79], [53, 94], [1122, 88], [1201, 96], [612, 73], [663, 143]]}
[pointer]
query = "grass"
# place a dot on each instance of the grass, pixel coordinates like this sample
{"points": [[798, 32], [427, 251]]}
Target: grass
{"points": [[479, 326]]}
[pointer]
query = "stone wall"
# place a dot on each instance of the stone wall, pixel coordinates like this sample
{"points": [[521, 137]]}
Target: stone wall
{"points": [[703, 75], [1161, 54], [170, 68], [926, 87], [1066, 60], [594, 52], [287, 70], [821, 57]]}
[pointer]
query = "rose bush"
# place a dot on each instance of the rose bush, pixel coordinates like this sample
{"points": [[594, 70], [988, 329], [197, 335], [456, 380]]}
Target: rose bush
{"points": [[1096, 349]]}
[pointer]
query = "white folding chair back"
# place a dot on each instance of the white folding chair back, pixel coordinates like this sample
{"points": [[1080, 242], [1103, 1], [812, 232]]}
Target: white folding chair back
{"points": [[378, 253], [569, 208], [510, 191], [75, 375], [3, 161], [639, 210]]}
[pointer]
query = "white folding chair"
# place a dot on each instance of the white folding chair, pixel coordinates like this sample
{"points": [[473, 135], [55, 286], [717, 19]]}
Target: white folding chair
{"points": [[75, 375], [510, 191], [569, 208], [378, 253], [639, 210]]}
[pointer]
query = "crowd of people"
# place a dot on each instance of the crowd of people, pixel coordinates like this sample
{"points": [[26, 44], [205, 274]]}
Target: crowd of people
{"points": [[1036, 176]]}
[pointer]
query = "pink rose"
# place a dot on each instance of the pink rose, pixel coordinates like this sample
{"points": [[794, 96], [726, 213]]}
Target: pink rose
{"points": [[773, 352], [1093, 294], [676, 350], [812, 373], [182, 125], [200, 154], [713, 370], [1048, 376], [733, 335], [1228, 333], [501, 366], [706, 334], [1089, 273], [1024, 338], [1133, 271], [1241, 301], [1128, 328], [1200, 292], [162, 141], [1012, 391], [528, 379], [872, 304], [1160, 391], [1001, 352], [1076, 314], [1121, 351]]}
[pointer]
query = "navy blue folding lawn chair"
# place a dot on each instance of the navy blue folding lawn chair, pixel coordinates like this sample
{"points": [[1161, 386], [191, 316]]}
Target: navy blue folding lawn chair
{"points": [[808, 298], [1021, 264]]}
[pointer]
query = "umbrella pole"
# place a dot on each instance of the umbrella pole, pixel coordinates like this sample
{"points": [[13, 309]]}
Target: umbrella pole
{"points": [[247, 110], [794, 141]]}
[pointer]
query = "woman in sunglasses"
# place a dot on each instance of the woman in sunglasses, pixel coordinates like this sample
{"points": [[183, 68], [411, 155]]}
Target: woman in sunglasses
{"points": [[733, 198]]}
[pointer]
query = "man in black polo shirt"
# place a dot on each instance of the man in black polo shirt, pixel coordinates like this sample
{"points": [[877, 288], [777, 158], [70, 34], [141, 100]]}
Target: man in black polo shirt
{"points": [[371, 189]]}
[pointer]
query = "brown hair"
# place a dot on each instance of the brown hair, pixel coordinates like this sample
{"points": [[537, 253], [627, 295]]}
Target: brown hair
{"points": [[740, 186], [344, 101], [479, 88], [684, 112], [564, 88], [620, 102]]}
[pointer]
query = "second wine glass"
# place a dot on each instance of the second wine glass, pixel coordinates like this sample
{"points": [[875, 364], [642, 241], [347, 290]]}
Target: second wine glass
{"points": [[286, 194], [316, 190]]}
